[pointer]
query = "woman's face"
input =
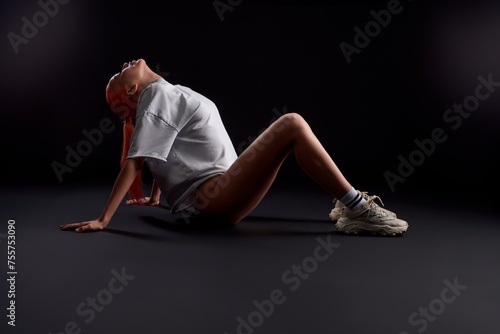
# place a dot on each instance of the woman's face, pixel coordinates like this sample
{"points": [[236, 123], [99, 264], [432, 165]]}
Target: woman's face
{"points": [[130, 73]]}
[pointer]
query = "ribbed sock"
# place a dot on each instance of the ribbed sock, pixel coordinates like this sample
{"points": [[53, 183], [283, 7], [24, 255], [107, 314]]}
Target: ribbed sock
{"points": [[353, 200]]}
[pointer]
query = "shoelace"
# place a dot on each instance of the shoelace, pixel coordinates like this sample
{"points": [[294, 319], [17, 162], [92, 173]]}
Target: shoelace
{"points": [[371, 202], [375, 206]]}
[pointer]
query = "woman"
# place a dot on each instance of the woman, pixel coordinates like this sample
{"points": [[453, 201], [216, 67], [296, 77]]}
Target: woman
{"points": [[179, 134]]}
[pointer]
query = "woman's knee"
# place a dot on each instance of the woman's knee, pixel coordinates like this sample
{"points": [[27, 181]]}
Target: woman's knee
{"points": [[292, 122]]}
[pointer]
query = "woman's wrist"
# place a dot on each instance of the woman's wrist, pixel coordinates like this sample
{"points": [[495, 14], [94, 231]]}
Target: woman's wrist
{"points": [[155, 195], [103, 220]]}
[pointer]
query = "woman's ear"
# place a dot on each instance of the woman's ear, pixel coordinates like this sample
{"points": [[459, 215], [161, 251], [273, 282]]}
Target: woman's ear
{"points": [[132, 89]]}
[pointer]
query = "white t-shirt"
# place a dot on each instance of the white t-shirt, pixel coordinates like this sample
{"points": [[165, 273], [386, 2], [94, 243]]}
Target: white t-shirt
{"points": [[183, 139]]}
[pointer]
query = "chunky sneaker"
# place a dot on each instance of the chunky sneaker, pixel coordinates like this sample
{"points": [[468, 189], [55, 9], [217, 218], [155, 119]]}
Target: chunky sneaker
{"points": [[339, 208], [371, 219]]}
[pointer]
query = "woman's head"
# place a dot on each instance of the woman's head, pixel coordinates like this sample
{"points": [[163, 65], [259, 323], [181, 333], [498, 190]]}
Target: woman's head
{"points": [[122, 93], [124, 88]]}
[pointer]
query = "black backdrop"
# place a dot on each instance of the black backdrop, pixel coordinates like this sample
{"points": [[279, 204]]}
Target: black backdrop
{"points": [[264, 57]]}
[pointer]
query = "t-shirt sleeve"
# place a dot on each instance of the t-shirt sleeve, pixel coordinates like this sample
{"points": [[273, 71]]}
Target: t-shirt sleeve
{"points": [[152, 137], [162, 111]]}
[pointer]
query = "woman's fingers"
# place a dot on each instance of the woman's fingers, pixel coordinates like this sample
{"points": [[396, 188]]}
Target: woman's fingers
{"points": [[71, 226], [139, 201], [83, 227], [93, 226]]}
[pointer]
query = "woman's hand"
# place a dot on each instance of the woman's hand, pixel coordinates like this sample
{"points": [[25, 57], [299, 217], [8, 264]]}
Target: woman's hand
{"points": [[149, 201], [152, 200], [123, 182], [92, 225]]}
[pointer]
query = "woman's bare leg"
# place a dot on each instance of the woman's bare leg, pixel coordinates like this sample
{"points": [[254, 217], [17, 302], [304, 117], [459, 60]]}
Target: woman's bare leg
{"points": [[232, 195]]}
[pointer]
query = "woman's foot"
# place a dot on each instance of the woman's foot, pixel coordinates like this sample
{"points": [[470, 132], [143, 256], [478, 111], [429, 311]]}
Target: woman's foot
{"points": [[370, 219], [339, 208]]}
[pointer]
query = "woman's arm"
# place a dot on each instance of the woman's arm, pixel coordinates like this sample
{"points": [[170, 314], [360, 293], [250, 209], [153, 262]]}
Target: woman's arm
{"points": [[154, 199], [120, 188]]}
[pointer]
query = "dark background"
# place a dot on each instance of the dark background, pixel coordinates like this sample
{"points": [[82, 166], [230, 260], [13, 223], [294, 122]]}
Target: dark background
{"points": [[264, 55]]}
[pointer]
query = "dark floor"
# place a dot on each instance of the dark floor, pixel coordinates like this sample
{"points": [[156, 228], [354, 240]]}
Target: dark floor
{"points": [[442, 276]]}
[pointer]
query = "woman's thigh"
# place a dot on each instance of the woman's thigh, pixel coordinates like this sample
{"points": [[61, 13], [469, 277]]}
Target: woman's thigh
{"points": [[233, 194]]}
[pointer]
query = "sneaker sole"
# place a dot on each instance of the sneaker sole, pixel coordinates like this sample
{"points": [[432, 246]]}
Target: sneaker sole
{"points": [[364, 228], [336, 216]]}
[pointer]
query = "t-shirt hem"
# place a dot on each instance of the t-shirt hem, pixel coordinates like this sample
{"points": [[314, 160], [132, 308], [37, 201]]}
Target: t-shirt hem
{"points": [[146, 155], [186, 200]]}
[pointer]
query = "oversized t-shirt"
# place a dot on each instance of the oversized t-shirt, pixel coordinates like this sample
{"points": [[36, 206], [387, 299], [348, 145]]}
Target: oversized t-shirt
{"points": [[180, 134]]}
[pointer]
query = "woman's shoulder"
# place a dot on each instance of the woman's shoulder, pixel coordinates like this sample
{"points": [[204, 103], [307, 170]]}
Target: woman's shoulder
{"points": [[159, 88], [159, 85], [166, 100]]}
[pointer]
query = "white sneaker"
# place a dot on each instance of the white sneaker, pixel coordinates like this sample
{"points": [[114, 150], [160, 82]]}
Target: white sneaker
{"points": [[337, 211], [339, 208], [371, 219]]}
